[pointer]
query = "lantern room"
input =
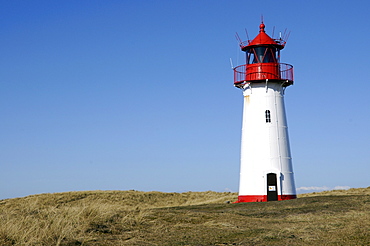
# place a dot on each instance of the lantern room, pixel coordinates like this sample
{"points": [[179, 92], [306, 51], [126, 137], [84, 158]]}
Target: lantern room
{"points": [[263, 61]]}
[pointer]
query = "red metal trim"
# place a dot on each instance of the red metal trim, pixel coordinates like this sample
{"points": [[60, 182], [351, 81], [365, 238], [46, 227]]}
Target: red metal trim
{"points": [[263, 198], [258, 72]]}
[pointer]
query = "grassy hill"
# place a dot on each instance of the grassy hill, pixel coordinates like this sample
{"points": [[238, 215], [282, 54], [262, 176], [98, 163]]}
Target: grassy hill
{"points": [[190, 218]]}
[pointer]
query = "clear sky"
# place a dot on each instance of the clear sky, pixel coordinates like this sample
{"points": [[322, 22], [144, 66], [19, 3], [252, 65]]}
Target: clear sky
{"points": [[119, 95]]}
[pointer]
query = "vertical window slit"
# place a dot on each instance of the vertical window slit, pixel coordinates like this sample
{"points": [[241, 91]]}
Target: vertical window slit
{"points": [[268, 116]]}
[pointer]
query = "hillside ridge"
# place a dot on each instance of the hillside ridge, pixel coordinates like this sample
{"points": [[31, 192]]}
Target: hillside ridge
{"points": [[339, 217]]}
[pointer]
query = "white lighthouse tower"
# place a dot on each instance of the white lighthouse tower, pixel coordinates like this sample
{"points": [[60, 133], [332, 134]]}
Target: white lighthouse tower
{"points": [[266, 172]]}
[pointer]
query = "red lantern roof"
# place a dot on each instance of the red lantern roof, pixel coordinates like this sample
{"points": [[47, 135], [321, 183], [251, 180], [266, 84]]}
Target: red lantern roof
{"points": [[263, 39]]}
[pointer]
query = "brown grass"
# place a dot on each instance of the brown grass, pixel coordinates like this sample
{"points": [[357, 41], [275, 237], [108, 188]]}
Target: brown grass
{"points": [[190, 218]]}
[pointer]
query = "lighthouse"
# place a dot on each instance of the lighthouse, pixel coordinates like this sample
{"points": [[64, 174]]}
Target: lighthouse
{"points": [[266, 171]]}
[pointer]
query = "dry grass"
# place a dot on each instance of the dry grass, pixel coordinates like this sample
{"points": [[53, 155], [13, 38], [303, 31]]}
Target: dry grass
{"points": [[353, 191], [190, 218]]}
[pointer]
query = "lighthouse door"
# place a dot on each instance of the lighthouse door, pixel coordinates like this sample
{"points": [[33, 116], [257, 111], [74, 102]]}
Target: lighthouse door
{"points": [[272, 194]]}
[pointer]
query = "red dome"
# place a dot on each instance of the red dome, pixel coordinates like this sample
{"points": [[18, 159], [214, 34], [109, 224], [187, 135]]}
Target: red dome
{"points": [[263, 39]]}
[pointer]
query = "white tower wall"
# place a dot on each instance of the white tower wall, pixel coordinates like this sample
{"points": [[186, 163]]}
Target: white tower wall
{"points": [[265, 143]]}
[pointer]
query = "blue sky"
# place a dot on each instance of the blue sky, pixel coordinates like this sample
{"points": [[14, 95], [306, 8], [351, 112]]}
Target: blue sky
{"points": [[119, 95]]}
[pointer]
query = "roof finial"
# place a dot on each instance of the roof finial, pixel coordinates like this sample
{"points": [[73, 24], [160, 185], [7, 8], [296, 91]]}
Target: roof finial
{"points": [[262, 27]]}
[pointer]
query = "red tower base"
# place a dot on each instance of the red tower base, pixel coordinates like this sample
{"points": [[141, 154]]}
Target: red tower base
{"points": [[263, 198]]}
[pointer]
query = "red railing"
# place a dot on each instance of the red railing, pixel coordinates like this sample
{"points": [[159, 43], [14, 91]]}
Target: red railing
{"points": [[263, 71]]}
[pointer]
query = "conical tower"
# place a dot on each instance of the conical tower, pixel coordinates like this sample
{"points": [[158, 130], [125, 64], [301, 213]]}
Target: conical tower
{"points": [[266, 172]]}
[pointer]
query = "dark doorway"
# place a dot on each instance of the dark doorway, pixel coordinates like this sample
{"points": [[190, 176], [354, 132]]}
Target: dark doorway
{"points": [[272, 192]]}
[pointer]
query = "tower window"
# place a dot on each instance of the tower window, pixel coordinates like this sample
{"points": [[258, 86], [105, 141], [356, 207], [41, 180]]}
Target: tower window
{"points": [[268, 116]]}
